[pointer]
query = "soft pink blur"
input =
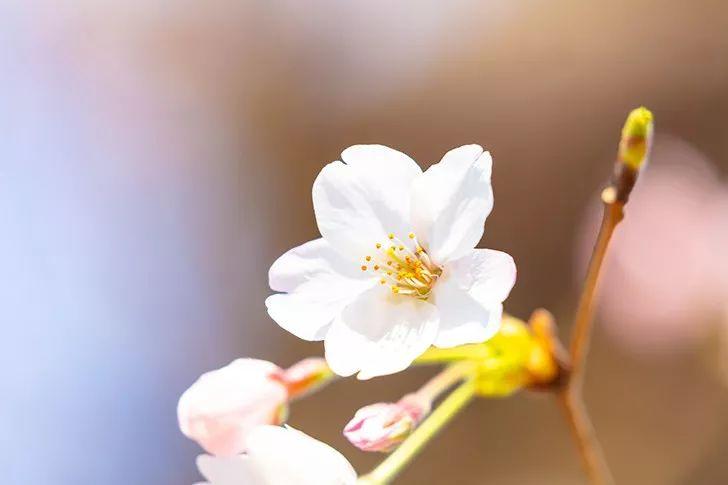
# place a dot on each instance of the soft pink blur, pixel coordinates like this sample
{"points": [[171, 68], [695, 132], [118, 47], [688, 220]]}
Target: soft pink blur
{"points": [[223, 406], [665, 279]]}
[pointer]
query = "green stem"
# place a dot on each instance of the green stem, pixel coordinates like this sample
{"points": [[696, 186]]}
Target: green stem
{"points": [[434, 355], [448, 409], [445, 380]]}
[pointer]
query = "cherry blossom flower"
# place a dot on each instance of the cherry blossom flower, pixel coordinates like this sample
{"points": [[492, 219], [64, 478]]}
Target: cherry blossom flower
{"points": [[396, 269], [383, 426], [222, 406], [279, 456]]}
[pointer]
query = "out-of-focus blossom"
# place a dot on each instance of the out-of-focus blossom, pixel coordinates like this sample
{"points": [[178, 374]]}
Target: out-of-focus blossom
{"points": [[665, 277], [383, 426], [279, 456], [396, 270], [223, 406]]}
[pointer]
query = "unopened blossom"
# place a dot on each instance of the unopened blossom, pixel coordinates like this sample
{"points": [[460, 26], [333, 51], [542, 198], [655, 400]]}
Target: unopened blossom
{"points": [[279, 456], [383, 426], [396, 269], [222, 406]]}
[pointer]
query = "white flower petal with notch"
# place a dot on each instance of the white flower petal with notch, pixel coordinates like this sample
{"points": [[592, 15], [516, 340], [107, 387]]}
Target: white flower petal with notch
{"points": [[451, 201], [363, 199]]}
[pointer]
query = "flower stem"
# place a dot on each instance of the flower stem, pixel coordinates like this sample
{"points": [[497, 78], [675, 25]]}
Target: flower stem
{"points": [[445, 380], [435, 355], [448, 409]]}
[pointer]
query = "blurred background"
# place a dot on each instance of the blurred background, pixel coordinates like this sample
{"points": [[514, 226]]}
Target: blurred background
{"points": [[157, 157]]}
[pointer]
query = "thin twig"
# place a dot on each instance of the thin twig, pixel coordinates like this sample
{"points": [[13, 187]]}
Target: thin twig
{"points": [[581, 429], [634, 148], [570, 395], [613, 214]]}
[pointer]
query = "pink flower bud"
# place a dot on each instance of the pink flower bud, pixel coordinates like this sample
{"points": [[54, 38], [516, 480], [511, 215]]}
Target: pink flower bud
{"points": [[305, 376], [223, 405], [383, 426]]}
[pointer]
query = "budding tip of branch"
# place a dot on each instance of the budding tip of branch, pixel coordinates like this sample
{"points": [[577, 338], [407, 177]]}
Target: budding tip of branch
{"points": [[636, 137]]}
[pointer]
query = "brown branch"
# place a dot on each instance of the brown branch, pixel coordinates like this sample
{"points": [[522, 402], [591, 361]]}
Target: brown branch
{"points": [[582, 431], [633, 152], [580, 337], [570, 395]]}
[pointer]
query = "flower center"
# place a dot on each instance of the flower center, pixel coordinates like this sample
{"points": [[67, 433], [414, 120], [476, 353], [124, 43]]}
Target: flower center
{"points": [[405, 267]]}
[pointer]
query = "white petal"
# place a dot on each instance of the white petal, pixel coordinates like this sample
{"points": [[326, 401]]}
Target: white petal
{"points": [[285, 456], [234, 470], [463, 319], [380, 333], [360, 202], [320, 283], [451, 201], [487, 274]]}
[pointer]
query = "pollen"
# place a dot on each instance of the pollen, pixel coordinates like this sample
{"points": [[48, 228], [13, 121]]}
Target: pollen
{"points": [[405, 266]]}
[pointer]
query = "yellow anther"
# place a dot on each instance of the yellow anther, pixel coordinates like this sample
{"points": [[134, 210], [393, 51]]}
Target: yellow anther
{"points": [[401, 248], [395, 289], [363, 267], [376, 267], [391, 236], [411, 235], [382, 281], [389, 263], [389, 273], [368, 258], [379, 245]]}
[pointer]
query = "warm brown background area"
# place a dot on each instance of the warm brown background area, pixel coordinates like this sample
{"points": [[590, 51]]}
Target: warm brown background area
{"points": [[183, 138]]}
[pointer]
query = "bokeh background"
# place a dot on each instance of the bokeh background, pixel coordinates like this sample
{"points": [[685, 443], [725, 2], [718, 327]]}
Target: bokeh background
{"points": [[156, 157]]}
